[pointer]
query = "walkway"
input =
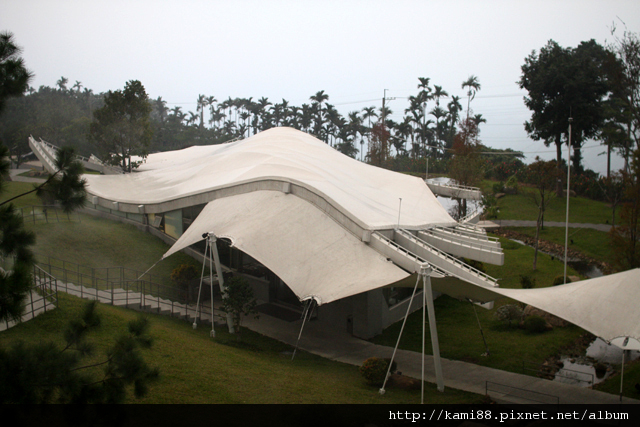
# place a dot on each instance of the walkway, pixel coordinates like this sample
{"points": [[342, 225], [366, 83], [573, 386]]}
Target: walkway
{"points": [[342, 347], [14, 174], [523, 223]]}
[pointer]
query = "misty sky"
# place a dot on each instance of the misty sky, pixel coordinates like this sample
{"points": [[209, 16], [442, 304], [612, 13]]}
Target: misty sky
{"points": [[353, 50]]}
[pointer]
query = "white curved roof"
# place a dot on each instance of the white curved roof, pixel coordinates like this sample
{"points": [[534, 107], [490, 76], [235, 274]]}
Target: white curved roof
{"points": [[368, 194], [606, 306], [315, 256]]}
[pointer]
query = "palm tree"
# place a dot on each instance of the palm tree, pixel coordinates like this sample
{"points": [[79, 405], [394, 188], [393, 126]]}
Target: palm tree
{"points": [[318, 99], [453, 107], [161, 107], [62, 83], [477, 119], [438, 113], [439, 93], [404, 131], [367, 113], [473, 86], [200, 105], [77, 86]]}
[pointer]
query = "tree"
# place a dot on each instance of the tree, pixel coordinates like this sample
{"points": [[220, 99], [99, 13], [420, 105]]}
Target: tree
{"points": [[473, 86], [379, 145], [122, 127], [613, 188], [563, 83], [624, 75], [466, 166], [15, 240], [238, 300], [625, 235], [14, 76], [543, 176], [66, 186], [45, 373]]}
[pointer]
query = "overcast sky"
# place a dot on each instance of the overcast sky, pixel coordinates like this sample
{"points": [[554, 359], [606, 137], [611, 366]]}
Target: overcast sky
{"points": [[353, 50]]}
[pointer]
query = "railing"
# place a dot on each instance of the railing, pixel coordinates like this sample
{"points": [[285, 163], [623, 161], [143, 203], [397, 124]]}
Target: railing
{"points": [[454, 186], [93, 277], [520, 393], [569, 374], [417, 260], [462, 241], [467, 232], [449, 258], [47, 214], [42, 296], [121, 286], [470, 216]]}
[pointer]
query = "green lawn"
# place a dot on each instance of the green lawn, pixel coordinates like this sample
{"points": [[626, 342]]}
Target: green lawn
{"points": [[593, 243], [98, 243], [581, 210], [509, 347], [13, 189], [197, 369]]}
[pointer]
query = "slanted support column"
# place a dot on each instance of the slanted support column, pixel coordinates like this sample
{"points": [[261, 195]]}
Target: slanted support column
{"points": [[223, 289], [425, 272]]}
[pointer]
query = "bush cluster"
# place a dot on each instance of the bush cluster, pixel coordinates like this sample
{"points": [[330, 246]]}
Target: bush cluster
{"points": [[535, 324], [509, 313], [374, 370]]}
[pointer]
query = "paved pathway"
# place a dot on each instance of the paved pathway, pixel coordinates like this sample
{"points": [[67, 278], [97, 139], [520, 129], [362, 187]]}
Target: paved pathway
{"points": [[505, 387], [344, 348], [14, 174]]}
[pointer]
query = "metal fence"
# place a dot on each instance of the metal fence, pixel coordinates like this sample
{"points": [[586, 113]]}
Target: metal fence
{"points": [[33, 214], [123, 287], [42, 296], [570, 375]]}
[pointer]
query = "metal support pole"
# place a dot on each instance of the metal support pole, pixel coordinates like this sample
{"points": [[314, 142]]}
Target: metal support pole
{"points": [[213, 329], [425, 271], [566, 228], [223, 290], [204, 264], [306, 314], [622, 374]]}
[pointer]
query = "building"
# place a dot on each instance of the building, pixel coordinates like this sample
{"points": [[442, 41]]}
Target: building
{"points": [[303, 222]]}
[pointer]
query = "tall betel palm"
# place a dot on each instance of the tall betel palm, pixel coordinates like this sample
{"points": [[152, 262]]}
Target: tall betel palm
{"points": [[473, 86]]}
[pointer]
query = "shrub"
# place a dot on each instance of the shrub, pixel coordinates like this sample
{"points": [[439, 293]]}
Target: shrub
{"points": [[512, 186], [238, 300], [489, 206], [183, 275], [559, 280], [535, 324], [509, 313], [374, 370], [527, 282], [498, 187]]}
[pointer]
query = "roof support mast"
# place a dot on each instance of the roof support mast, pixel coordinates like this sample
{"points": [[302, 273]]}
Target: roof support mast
{"points": [[212, 249]]}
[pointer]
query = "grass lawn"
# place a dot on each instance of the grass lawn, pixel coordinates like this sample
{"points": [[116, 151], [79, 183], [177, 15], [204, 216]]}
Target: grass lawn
{"points": [[509, 347], [581, 210], [14, 188], [97, 242], [197, 369], [593, 243]]}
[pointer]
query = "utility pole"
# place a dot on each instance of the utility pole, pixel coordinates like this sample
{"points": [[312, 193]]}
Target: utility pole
{"points": [[383, 116]]}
